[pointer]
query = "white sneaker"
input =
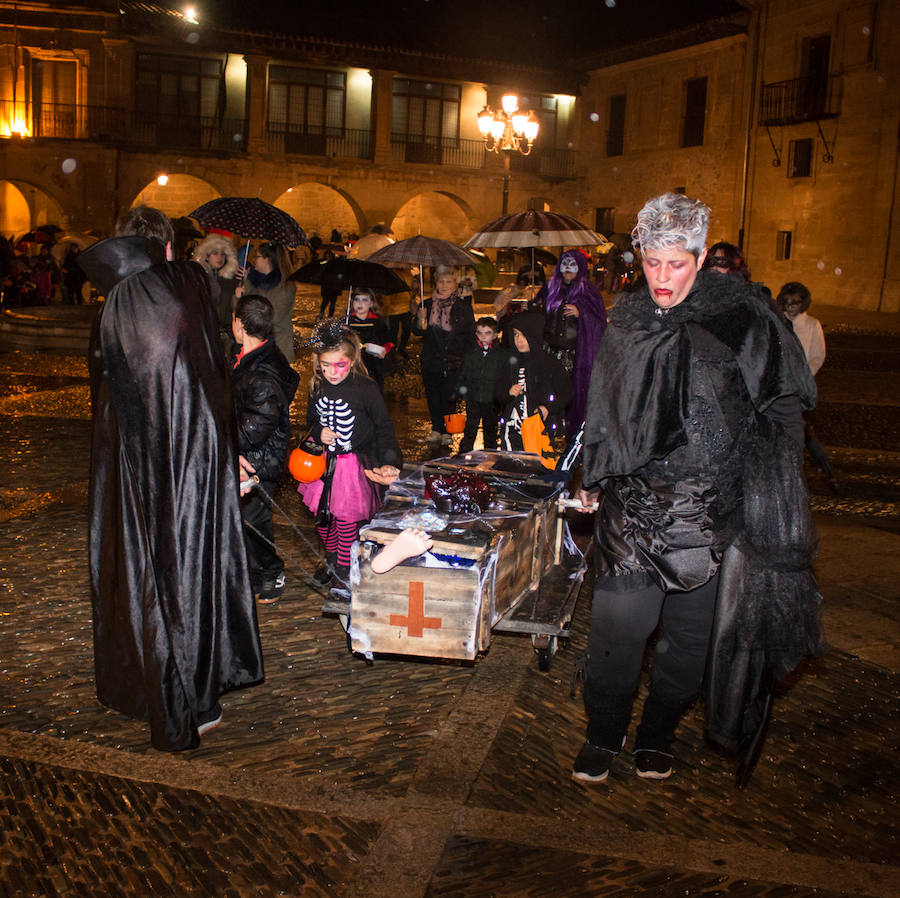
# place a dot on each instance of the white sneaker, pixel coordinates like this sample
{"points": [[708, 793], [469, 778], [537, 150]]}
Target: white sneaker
{"points": [[213, 718]]}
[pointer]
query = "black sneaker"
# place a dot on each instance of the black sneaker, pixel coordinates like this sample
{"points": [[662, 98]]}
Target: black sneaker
{"points": [[207, 720], [651, 764], [592, 764], [271, 590], [322, 576]]}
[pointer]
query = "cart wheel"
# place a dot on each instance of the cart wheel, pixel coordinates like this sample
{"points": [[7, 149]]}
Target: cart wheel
{"points": [[546, 652]]}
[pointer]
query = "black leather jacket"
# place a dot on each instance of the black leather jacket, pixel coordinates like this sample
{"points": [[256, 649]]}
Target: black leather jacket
{"points": [[263, 385]]}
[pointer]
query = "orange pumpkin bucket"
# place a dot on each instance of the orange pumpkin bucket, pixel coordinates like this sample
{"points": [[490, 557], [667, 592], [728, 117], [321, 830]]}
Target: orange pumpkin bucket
{"points": [[307, 463], [455, 423]]}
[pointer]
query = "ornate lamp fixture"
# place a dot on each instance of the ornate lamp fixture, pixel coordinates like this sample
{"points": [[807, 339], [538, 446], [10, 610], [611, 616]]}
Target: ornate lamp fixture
{"points": [[508, 129]]}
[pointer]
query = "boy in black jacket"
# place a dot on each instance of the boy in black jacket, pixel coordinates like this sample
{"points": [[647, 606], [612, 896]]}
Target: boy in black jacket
{"points": [[263, 386], [482, 365]]}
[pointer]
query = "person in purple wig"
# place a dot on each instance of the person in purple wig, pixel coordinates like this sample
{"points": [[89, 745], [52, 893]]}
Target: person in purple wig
{"points": [[575, 322]]}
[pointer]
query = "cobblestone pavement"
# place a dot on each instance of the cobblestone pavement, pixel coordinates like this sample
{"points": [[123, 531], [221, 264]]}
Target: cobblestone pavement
{"points": [[409, 778]]}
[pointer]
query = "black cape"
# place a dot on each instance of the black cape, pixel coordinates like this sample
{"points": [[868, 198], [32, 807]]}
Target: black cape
{"points": [[638, 413], [174, 619]]}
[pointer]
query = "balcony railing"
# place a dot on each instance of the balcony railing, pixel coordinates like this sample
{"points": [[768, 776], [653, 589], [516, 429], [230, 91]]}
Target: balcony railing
{"points": [[546, 162], [799, 100], [151, 130], [437, 150], [72, 121], [337, 143]]}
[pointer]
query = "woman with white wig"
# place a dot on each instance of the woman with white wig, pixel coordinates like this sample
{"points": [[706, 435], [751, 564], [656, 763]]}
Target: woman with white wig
{"points": [[693, 442]]}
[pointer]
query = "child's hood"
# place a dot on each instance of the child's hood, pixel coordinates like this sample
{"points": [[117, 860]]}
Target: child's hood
{"points": [[531, 324]]}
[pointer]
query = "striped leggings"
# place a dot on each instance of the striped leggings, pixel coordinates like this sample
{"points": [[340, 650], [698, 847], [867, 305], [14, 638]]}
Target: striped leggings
{"points": [[338, 538]]}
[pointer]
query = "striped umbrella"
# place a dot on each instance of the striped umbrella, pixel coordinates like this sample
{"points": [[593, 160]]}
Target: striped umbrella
{"points": [[534, 228]]}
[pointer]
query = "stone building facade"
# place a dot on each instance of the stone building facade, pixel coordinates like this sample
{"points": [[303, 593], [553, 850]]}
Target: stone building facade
{"points": [[785, 118], [118, 103], [786, 122]]}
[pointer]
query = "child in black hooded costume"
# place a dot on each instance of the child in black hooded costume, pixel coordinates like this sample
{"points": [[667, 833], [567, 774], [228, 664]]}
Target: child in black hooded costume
{"points": [[531, 382]]}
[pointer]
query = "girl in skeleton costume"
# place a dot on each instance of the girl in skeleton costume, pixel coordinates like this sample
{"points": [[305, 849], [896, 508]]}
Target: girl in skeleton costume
{"points": [[346, 414]]}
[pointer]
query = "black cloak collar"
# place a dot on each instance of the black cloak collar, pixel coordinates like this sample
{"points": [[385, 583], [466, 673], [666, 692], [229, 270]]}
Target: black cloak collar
{"points": [[113, 260]]}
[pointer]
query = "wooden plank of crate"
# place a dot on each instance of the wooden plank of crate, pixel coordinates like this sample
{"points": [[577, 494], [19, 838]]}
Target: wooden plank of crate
{"points": [[428, 612]]}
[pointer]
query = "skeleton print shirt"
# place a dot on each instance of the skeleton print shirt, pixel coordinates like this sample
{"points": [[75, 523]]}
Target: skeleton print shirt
{"points": [[354, 409]]}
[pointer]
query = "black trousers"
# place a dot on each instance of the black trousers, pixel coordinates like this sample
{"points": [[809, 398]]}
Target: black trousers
{"points": [[401, 329], [439, 387], [485, 414], [264, 561], [621, 624]]}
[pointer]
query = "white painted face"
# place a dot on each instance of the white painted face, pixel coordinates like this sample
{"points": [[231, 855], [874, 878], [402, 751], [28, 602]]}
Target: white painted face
{"points": [[568, 268], [362, 305]]}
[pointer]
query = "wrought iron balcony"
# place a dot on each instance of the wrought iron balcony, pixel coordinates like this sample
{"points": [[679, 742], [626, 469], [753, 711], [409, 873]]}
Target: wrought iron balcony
{"points": [[70, 121], [800, 100], [437, 150], [549, 162], [336, 143]]}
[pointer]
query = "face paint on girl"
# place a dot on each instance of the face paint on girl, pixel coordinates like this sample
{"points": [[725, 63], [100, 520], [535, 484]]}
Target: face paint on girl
{"points": [[362, 305], [335, 366]]}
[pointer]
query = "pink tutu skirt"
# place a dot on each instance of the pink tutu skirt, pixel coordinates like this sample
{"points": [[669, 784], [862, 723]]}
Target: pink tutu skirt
{"points": [[353, 495]]}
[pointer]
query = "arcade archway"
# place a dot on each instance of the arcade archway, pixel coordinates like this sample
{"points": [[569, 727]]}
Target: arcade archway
{"points": [[24, 206], [178, 196], [434, 214], [320, 209]]}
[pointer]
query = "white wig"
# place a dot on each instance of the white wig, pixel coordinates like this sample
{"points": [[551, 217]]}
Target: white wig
{"points": [[672, 221]]}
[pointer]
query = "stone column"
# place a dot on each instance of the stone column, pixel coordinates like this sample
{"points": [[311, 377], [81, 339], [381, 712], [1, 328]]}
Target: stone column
{"points": [[382, 94], [257, 84]]}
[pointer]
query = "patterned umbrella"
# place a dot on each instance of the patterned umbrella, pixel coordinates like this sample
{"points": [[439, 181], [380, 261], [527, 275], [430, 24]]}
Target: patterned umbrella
{"points": [[344, 274], [251, 218], [422, 251], [533, 228]]}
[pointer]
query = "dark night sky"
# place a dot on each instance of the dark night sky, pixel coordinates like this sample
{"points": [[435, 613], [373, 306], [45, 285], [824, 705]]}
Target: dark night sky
{"points": [[524, 31]]}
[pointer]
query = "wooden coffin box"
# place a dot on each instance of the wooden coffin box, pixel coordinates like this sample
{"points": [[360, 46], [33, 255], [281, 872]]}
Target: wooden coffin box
{"points": [[448, 611]]}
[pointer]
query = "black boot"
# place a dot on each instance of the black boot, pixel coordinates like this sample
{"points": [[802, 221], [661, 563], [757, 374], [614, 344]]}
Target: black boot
{"points": [[323, 574]]}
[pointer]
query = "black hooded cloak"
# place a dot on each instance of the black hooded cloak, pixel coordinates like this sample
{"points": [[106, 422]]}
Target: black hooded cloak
{"points": [[174, 619], [693, 431]]}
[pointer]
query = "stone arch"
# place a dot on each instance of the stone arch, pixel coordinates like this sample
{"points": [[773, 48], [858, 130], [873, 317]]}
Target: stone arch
{"points": [[180, 195], [24, 206], [320, 208], [435, 213]]}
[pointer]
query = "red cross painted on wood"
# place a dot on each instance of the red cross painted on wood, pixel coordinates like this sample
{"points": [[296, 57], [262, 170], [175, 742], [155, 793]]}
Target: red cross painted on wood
{"points": [[414, 620]]}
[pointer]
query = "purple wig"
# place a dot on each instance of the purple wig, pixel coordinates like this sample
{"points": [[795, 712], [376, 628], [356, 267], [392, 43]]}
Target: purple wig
{"points": [[576, 288]]}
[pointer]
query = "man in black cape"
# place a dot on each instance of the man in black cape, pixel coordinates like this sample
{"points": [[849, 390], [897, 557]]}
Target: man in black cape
{"points": [[174, 619]]}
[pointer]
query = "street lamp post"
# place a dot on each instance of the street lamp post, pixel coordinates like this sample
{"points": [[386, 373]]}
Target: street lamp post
{"points": [[509, 130]]}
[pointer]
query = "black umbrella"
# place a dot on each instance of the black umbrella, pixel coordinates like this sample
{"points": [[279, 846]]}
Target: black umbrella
{"points": [[342, 274], [251, 218]]}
